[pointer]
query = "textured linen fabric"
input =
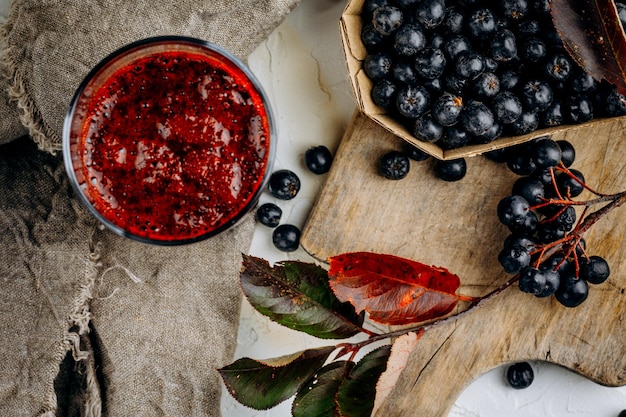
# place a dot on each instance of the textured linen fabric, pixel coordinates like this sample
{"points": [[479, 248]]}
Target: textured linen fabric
{"points": [[91, 323]]}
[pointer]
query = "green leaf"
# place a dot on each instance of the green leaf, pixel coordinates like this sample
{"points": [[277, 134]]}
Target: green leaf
{"points": [[297, 295], [317, 397], [357, 393], [264, 384]]}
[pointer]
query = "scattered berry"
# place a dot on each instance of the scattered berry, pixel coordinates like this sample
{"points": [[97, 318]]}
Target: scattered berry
{"points": [[286, 237], [394, 165], [269, 214], [284, 184], [520, 375], [318, 159]]}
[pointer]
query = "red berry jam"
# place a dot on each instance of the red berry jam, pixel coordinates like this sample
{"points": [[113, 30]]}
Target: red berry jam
{"points": [[174, 145]]}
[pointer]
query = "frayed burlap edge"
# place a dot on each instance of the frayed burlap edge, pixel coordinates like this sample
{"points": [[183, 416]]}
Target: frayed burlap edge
{"points": [[77, 328], [45, 138]]}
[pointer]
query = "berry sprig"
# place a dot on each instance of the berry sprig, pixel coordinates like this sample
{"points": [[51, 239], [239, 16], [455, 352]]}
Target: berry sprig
{"points": [[546, 248]]}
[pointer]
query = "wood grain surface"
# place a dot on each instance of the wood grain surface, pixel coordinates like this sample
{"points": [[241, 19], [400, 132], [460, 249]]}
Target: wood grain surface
{"points": [[454, 225]]}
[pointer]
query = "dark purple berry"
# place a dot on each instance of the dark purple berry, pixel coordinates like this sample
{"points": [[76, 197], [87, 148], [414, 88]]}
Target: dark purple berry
{"points": [[507, 107], [430, 63], [520, 375], [572, 291], [486, 85], [481, 23], [469, 64], [503, 46], [512, 209], [284, 184], [536, 95], [579, 109], [526, 123], [387, 19], [427, 129], [546, 153], [455, 45], [318, 159], [595, 270], [533, 49], [454, 137], [377, 65], [558, 68], [394, 165], [476, 118], [430, 13], [531, 280], [568, 153], [447, 108], [451, 170], [530, 188], [409, 39], [514, 258], [412, 101], [384, 94], [286, 238], [569, 186], [269, 214], [514, 9], [415, 153]]}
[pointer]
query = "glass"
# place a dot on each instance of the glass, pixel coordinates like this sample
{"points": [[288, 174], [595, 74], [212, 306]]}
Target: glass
{"points": [[169, 140]]}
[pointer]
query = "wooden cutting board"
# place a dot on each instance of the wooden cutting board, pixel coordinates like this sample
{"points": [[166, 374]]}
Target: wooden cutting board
{"points": [[454, 225]]}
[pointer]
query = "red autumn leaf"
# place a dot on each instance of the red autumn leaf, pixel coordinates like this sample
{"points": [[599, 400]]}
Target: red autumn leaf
{"points": [[593, 36], [391, 289]]}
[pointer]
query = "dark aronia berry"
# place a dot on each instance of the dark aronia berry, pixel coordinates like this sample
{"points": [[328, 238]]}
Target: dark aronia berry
{"points": [[476, 118], [530, 188], [286, 237], [481, 23], [377, 66], [430, 62], [507, 107], [469, 64], [430, 13], [447, 108], [568, 153], [269, 214], [454, 137], [427, 128], [387, 19], [558, 67], [415, 153], [532, 280], [409, 39], [553, 280], [451, 170], [284, 184], [595, 270], [455, 45], [568, 186], [412, 101], [514, 258], [572, 291], [384, 94], [503, 46], [514, 9], [512, 210], [318, 159], [486, 86], [546, 152], [394, 165], [404, 73], [520, 375]]}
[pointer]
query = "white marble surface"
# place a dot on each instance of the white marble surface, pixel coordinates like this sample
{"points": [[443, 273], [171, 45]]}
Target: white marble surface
{"points": [[302, 68]]}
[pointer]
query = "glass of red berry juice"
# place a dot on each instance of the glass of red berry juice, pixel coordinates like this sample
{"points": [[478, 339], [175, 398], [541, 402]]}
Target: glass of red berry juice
{"points": [[169, 140]]}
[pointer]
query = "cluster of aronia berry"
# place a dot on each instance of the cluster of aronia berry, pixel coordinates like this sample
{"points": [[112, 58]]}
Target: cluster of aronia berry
{"points": [[469, 71], [284, 184], [545, 247]]}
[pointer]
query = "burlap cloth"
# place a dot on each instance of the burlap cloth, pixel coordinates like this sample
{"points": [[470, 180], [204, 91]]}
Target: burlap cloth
{"points": [[91, 323]]}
